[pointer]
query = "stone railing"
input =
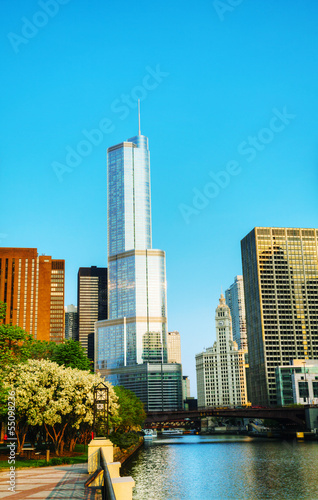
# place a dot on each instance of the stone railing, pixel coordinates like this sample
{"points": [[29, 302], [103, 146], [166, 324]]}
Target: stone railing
{"points": [[122, 486]]}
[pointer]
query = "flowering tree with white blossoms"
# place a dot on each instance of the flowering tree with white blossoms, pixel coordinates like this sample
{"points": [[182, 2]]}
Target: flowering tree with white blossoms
{"points": [[58, 398]]}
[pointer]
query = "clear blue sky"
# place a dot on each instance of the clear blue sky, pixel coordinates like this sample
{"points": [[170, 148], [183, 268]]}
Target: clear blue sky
{"points": [[223, 72]]}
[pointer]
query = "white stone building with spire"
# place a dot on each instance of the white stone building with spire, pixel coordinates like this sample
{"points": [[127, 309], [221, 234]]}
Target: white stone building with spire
{"points": [[221, 379]]}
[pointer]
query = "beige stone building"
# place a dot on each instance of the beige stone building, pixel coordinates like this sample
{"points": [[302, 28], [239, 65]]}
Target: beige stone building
{"points": [[221, 379]]}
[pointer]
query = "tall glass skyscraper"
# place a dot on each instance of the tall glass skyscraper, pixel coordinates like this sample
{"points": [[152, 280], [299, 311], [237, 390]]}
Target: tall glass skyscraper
{"points": [[135, 332], [280, 272]]}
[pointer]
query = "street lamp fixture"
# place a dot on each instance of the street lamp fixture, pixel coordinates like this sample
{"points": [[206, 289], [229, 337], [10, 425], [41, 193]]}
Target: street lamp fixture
{"points": [[101, 410]]}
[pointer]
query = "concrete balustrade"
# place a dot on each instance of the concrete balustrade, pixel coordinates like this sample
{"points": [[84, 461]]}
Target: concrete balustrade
{"points": [[94, 455], [122, 486]]}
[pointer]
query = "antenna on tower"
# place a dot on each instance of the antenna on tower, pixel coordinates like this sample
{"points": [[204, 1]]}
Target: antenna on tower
{"points": [[139, 117]]}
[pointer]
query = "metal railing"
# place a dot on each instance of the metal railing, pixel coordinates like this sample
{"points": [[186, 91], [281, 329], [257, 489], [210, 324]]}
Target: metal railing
{"points": [[107, 488]]}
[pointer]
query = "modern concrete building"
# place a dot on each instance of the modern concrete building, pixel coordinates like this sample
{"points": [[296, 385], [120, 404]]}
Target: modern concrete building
{"points": [[234, 297], [297, 383], [32, 286], [134, 337], [221, 379], [92, 304], [174, 347], [280, 272], [71, 322]]}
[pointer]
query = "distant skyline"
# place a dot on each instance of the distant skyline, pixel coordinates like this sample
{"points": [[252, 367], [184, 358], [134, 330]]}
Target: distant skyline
{"points": [[212, 85]]}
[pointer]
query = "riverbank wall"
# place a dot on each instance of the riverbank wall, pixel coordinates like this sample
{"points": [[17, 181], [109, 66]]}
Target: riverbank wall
{"points": [[123, 455]]}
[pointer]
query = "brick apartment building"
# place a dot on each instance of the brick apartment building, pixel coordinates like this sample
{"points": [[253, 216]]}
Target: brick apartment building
{"points": [[32, 286]]}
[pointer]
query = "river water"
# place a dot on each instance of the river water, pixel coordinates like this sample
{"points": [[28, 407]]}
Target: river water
{"points": [[224, 467]]}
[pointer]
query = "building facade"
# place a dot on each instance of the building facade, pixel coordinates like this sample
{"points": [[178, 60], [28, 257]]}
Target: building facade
{"points": [[92, 304], [32, 286], [280, 271], [234, 297], [71, 322], [135, 332], [174, 347], [297, 383], [185, 387], [221, 379]]}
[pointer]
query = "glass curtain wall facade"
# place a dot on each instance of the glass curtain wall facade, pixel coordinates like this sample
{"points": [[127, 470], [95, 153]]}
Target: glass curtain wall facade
{"points": [[280, 272], [71, 322], [136, 329]]}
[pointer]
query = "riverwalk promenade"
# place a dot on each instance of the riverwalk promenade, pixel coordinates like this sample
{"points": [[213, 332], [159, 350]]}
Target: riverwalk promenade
{"points": [[61, 482]]}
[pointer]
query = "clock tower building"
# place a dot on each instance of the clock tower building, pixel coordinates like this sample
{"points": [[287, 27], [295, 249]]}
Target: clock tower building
{"points": [[220, 369]]}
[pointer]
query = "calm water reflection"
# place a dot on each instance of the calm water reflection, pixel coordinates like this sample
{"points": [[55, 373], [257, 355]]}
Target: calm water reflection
{"points": [[224, 467]]}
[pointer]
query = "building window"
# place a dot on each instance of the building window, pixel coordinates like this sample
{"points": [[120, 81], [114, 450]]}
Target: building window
{"points": [[303, 389]]}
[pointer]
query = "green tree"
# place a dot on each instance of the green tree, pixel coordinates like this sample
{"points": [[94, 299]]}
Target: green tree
{"points": [[131, 413], [3, 310], [15, 344], [41, 349], [58, 398], [71, 353]]}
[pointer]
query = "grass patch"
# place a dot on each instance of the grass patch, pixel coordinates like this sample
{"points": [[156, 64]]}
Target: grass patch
{"points": [[21, 464]]}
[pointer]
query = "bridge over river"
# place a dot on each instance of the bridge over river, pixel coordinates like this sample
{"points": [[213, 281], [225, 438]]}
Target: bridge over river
{"points": [[296, 416]]}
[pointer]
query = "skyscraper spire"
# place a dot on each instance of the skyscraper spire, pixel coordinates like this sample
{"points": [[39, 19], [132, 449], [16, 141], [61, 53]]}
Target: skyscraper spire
{"points": [[139, 117]]}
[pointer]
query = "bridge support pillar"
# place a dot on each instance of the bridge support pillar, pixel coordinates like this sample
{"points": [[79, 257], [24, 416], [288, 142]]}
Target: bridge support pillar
{"points": [[312, 419]]}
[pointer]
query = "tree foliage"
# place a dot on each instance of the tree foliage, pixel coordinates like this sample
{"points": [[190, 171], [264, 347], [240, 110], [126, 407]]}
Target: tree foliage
{"points": [[58, 398], [15, 345], [41, 349], [131, 413], [72, 354], [69, 353], [53, 389], [3, 310]]}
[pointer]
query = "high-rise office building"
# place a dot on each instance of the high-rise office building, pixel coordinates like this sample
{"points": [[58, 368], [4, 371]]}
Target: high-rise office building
{"points": [[174, 347], [234, 297], [280, 272], [131, 346], [71, 322], [221, 375], [92, 304], [32, 286]]}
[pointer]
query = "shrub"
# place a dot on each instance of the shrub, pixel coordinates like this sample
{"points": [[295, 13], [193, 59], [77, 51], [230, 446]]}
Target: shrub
{"points": [[124, 439], [56, 461], [60, 461]]}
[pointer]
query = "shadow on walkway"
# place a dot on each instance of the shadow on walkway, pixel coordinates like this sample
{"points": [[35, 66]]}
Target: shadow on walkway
{"points": [[60, 482]]}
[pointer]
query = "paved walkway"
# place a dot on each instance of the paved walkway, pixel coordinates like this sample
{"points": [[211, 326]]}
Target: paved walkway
{"points": [[63, 482]]}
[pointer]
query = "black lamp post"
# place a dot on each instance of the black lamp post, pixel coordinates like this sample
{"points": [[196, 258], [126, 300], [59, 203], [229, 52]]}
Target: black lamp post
{"points": [[101, 409]]}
